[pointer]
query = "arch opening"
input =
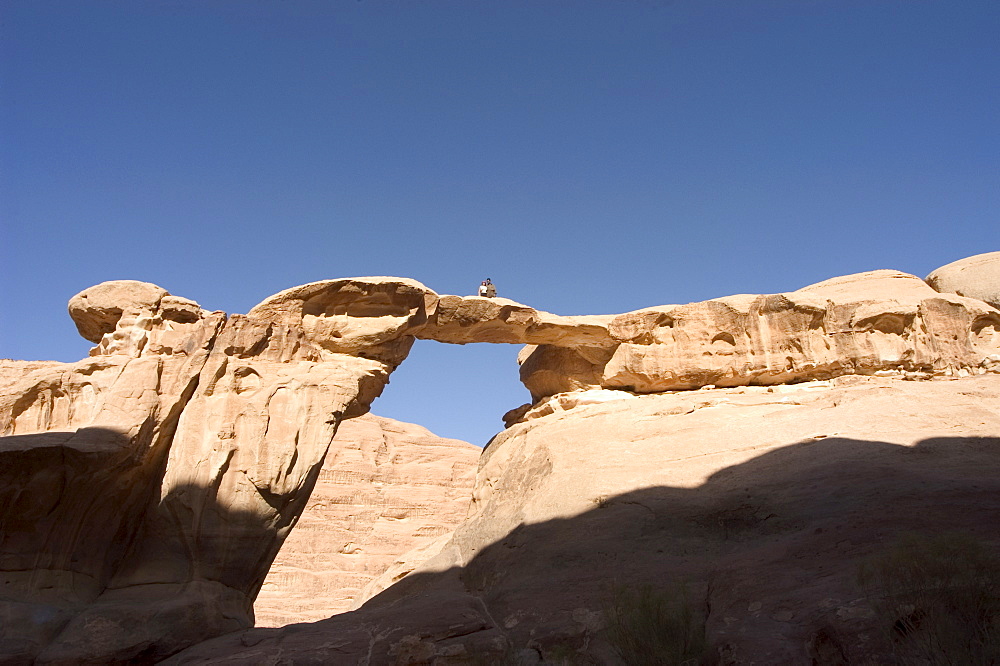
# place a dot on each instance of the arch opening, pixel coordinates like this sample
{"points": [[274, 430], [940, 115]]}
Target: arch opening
{"points": [[455, 391]]}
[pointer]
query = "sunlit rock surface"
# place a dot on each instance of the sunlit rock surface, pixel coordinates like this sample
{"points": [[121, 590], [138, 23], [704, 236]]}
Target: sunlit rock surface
{"points": [[976, 277], [856, 324], [82, 457], [96, 310], [762, 501], [460, 320], [386, 488], [151, 486], [147, 490]]}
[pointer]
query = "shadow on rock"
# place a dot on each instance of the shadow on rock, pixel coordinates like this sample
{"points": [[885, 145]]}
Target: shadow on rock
{"points": [[70, 502], [768, 552], [74, 587]]}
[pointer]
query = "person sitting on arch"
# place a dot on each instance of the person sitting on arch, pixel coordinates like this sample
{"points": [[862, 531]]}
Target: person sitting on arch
{"points": [[482, 288], [491, 290]]}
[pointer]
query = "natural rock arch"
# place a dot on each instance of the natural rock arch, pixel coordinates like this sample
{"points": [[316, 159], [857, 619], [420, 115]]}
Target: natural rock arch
{"points": [[220, 423]]}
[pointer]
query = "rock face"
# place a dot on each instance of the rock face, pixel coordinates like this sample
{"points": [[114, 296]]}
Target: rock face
{"points": [[147, 490], [385, 488], [366, 317], [975, 277], [81, 459], [96, 311], [460, 320], [764, 501], [857, 324]]}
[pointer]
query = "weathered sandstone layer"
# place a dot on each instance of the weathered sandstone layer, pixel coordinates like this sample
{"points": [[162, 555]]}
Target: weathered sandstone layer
{"points": [[856, 324], [82, 457], [385, 488], [147, 490], [976, 277], [763, 501], [149, 487]]}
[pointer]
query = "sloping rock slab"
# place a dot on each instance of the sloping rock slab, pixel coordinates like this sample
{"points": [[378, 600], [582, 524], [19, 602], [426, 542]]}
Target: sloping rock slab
{"points": [[764, 502]]}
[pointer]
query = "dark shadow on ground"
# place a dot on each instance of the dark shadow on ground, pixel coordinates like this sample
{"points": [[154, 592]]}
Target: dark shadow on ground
{"points": [[770, 550]]}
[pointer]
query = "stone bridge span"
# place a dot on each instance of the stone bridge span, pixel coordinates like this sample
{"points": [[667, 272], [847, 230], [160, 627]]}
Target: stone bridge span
{"points": [[205, 432]]}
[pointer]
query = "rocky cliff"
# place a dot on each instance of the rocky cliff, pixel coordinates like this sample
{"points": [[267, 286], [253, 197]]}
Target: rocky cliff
{"points": [[385, 488], [148, 489], [759, 504], [857, 324]]}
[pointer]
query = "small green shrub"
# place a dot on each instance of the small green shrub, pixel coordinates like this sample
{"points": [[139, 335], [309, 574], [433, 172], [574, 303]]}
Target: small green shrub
{"points": [[938, 599], [649, 627]]}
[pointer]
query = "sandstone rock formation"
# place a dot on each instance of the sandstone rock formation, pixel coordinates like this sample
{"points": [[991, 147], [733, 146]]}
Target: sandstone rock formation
{"points": [[81, 459], [975, 277], [368, 317], [147, 490], [96, 311], [461, 320], [150, 487], [856, 324], [764, 500], [385, 488]]}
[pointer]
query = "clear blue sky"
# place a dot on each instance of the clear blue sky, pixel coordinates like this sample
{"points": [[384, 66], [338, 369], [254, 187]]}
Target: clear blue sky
{"points": [[590, 157]]}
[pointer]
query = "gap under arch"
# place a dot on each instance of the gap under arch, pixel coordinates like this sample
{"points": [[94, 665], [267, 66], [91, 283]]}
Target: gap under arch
{"points": [[455, 391]]}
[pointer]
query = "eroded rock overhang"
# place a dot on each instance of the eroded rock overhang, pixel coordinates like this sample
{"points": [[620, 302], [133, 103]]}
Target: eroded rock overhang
{"points": [[879, 321]]}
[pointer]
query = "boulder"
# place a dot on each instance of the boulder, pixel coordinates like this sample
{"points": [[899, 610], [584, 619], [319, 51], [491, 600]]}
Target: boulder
{"points": [[96, 310], [977, 276]]}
